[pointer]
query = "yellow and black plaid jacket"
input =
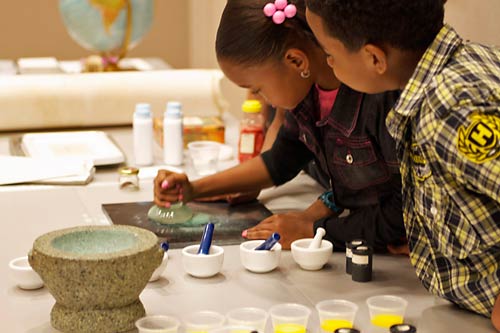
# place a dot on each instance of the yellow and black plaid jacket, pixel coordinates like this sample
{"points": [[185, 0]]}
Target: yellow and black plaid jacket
{"points": [[447, 128]]}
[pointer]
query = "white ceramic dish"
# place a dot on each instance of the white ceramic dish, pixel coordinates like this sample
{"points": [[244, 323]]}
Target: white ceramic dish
{"points": [[259, 261], [88, 145], [23, 275], [202, 265], [158, 271], [311, 259]]}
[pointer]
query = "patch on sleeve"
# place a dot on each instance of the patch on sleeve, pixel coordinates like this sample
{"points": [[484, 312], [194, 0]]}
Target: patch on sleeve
{"points": [[420, 166], [480, 140]]}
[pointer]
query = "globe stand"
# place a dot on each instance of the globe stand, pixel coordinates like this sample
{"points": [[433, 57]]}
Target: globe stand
{"points": [[107, 61]]}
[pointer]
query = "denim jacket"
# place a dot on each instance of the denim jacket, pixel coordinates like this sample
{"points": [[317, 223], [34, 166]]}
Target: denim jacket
{"points": [[353, 148]]}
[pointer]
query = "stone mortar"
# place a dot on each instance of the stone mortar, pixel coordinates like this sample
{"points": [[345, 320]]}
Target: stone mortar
{"points": [[96, 274]]}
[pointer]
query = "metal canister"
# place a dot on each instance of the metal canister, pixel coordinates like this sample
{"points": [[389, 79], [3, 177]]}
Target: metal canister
{"points": [[403, 328], [362, 263], [348, 253], [346, 330]]}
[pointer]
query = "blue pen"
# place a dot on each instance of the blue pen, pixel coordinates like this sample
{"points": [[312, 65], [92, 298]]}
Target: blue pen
{"points": [[165, 246], [269, 243], [206, 239]]}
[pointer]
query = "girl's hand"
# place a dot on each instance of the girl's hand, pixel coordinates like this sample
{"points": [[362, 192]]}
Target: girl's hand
{"points": [[170, 187]]}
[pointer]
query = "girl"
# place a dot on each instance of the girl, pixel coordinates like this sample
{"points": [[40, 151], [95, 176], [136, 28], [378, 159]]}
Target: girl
{"points": [[269, 49]]}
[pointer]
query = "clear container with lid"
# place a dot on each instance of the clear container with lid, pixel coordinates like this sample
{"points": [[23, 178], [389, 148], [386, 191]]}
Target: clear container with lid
{"points": [[251, 130]]}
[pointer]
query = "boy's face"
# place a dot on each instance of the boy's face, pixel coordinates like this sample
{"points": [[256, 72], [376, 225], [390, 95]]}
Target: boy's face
{"points": [[349, 67], [275, 82]]}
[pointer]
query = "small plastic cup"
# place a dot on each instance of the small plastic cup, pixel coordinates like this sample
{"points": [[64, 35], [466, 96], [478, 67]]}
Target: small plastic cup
{"points": [[157, 324], [254, 318], [289, 318], [386, 310], [204, 155], [232, 329], [335, 314], [203, 321]]}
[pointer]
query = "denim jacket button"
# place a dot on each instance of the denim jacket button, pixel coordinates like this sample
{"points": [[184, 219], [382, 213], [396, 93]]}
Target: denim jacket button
{"points": [[349, 159]]}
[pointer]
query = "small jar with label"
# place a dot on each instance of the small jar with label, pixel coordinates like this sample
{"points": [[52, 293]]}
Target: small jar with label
{"points": [[251, 131], [348, 253], [129, 178], [362, 263]]}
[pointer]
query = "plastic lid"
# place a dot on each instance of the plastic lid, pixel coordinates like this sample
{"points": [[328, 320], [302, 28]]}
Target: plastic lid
{"points": [[143, 110], [174, 110], [251, 106], [403, 328], [346, 330]]}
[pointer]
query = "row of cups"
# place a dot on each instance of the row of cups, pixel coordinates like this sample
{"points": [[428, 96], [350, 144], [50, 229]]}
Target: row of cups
{"points": [[385, 311], [203, 266], [255, 261]]}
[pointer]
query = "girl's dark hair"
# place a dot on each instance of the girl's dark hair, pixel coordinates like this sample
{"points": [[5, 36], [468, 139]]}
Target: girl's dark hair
{"points": [[404, 24], [246, 36]]}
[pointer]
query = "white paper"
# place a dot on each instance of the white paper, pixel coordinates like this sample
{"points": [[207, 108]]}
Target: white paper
{"points": [[15, 169]]}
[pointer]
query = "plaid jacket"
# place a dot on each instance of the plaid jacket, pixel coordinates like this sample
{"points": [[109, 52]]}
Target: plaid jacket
{"points": [[358, 156], [447, 128]]}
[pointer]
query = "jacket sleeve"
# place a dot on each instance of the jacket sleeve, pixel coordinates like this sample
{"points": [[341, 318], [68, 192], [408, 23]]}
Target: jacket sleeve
{"points": [[288, 155], [379, 225]]}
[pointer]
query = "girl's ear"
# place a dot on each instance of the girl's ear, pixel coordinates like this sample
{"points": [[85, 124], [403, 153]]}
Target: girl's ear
{"points": [[297, 60], [375, 58]]}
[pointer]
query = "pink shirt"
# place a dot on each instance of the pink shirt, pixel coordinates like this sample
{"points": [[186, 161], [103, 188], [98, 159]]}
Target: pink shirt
{"points": [[326, 100]]}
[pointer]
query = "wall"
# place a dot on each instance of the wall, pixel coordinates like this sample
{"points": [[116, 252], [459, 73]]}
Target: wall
{"points": [[34, 28], [476, 20], [183, 32]]}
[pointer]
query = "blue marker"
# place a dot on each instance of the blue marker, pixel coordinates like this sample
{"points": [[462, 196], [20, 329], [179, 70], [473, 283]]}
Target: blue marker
{"points": [[269, 243], [165, 246], [206, 239]]}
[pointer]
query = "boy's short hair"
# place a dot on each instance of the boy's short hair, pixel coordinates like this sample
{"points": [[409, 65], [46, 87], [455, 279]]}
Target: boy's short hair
{"points": [[403, 24]]}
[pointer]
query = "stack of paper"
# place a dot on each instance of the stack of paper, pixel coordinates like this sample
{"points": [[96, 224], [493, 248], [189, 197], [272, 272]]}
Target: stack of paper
{"points": [[16, 170]]}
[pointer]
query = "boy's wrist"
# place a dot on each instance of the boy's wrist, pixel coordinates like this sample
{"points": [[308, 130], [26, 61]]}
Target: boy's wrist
{"points": [[329, 202]]}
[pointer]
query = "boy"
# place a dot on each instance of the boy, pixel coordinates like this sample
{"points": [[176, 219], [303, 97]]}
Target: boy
{"points": [[447, 128]]}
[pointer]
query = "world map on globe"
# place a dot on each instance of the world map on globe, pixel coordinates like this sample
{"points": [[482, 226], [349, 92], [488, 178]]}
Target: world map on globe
{"points": [[100, 25]]}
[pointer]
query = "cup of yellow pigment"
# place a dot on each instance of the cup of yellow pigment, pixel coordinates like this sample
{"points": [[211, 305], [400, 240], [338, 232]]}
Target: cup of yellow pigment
{"points": [[289, 318], [335, 314], [386, 310]]}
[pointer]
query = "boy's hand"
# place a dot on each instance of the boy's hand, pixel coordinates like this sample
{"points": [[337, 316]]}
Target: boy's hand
{"points": [[290, 226], [171, 187]]}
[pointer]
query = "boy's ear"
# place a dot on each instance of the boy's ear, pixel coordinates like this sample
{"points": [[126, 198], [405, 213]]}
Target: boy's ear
{"points": [[375, 58], [296, 59]]}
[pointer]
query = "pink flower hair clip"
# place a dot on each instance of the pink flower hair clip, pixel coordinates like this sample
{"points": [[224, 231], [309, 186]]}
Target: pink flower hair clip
{"points": [[280, 10]]}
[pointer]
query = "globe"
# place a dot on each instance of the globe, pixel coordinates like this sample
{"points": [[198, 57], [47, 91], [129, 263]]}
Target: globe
{"points": [[101, 25]]}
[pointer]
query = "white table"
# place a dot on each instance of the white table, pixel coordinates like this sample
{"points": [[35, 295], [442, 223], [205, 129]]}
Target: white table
{"points": [[29, 211]]}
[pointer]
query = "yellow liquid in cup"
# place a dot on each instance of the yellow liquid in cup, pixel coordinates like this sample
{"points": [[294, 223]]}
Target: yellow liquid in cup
{"points": [[330, 325], [386, 320], [289, 328]]}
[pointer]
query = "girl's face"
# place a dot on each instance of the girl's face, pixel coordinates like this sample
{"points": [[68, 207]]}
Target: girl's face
{"points": [[278, 84], [351, 68]]}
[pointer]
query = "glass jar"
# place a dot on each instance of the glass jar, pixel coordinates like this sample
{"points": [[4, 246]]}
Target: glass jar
{"points": [[129, 178]]}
